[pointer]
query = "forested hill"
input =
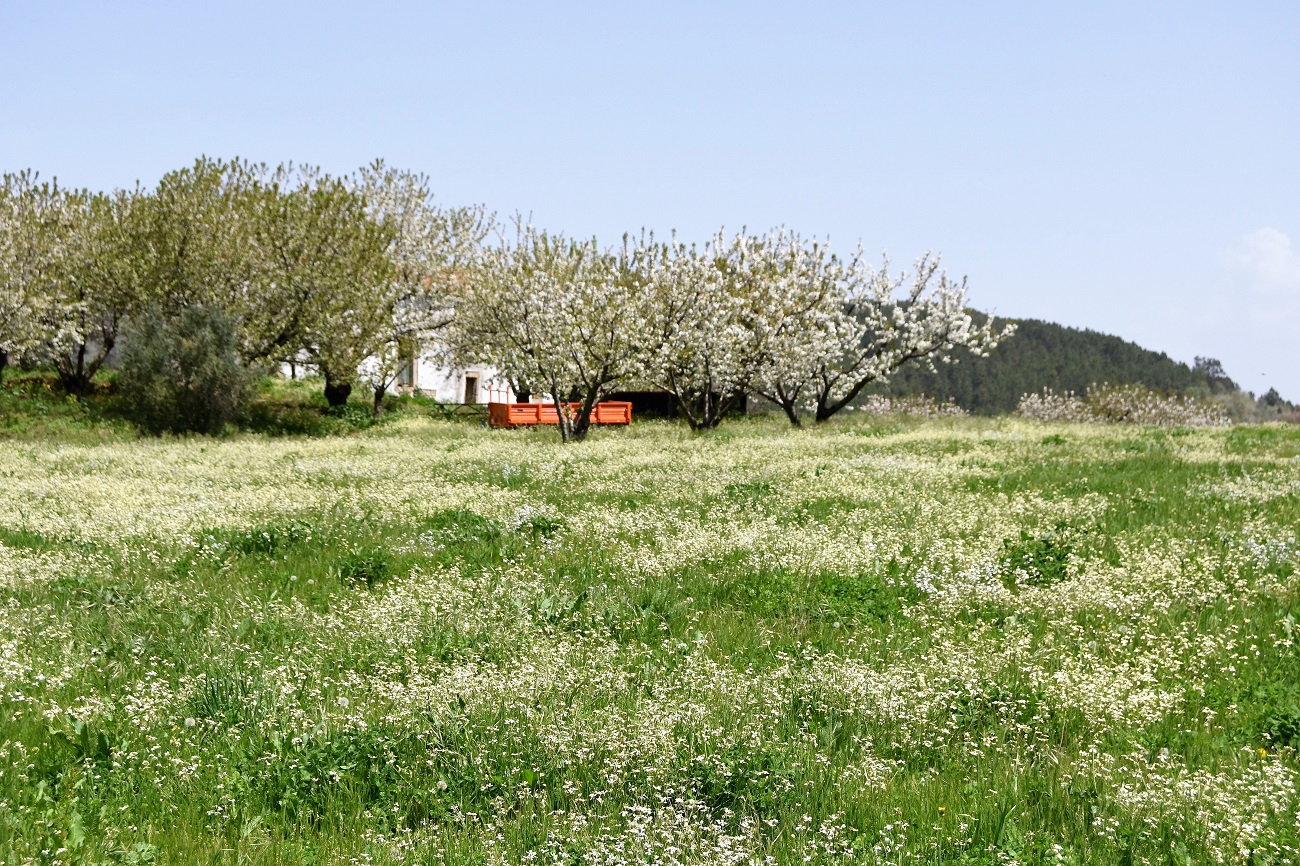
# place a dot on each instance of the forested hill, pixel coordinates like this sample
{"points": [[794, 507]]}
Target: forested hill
{"points": [[1045, 355]]}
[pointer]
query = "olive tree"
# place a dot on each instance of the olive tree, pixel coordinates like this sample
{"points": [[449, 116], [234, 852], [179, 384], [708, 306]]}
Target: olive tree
{"points": [[182, 372]]}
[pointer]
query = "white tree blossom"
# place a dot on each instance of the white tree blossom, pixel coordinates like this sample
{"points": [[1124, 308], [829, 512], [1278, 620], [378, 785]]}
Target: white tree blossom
{"points": [[106, 284], [724, 317], [430, 249], [32, 227], [701, 343], [563, 316], [863, 326], [70, 274]]}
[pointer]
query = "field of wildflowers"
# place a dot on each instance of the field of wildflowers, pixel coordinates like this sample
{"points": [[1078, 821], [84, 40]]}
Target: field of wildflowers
{"points": [[887, 640]]}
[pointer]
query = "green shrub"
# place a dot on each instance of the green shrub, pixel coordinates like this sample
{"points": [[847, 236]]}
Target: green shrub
{"points": [[364, 566], [182, 375], [1036, 560], [458, 526]]}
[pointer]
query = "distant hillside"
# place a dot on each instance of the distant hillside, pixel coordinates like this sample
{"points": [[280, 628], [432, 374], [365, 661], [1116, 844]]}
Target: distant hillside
{"points": [[1047, 355]]}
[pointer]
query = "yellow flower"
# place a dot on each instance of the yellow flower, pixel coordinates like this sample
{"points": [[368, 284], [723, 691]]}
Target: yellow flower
{"points": [[1263, 752]]}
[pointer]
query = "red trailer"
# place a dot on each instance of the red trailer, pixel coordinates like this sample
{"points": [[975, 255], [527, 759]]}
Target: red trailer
{"points": [[533, 414]]}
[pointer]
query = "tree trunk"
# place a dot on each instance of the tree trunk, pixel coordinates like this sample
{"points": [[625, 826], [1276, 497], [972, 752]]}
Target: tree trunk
{"points": [[337, 393], [73, 379], [686, 406], [76, 380], [4, 362], [683, 402], [789, 403], [827, 408], [717, 407], [73, 385], [380, 390], [582, 424], [705, 411], [561, 418]]}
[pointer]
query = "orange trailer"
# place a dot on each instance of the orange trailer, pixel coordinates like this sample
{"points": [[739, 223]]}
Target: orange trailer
{"points": [[532, 414]]}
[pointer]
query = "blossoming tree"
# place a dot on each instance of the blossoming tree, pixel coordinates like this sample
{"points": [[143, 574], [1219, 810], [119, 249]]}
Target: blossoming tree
{"points": [[705, 322], [430, 248], [326, 265], [69, 274], [559, 314], [30, 222], [860, 325]]}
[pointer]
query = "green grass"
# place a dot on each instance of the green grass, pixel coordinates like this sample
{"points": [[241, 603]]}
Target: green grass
{"points": [[964, 641]]}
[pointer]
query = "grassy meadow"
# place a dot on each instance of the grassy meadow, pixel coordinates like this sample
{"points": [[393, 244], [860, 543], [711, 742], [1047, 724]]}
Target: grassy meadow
{"points": [[882, 641]]}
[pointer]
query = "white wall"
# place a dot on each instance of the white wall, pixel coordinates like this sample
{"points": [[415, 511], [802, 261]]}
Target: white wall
{"points": [[448, 385]]}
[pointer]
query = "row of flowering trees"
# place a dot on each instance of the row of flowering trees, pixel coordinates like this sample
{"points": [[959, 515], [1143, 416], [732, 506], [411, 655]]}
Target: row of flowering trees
{"points": [[773, 315], [310, 268], [347, 273]]}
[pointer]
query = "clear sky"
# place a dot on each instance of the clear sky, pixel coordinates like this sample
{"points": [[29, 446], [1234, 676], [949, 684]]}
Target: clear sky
{"points": [[1129, 167]]}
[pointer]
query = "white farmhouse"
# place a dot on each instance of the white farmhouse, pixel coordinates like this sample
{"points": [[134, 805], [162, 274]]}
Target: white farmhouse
{"points": [[422, 375]]}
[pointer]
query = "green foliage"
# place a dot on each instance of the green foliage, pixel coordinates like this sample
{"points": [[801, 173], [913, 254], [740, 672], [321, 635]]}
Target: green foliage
{"points": [[182, 375], [1282, 717], [266, 540], [225, 699], [540, 524], [1272, 441], [457, 526], [364, 565], [751, 492], [33, 408], [306, 778], [1037, 560], [278, 407]]}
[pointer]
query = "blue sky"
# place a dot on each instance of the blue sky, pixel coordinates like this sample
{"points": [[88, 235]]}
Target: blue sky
{"points": [[1133, 168]]}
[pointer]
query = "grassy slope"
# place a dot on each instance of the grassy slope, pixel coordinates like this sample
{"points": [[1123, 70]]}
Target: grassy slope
{"points": [[950, 642]]}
